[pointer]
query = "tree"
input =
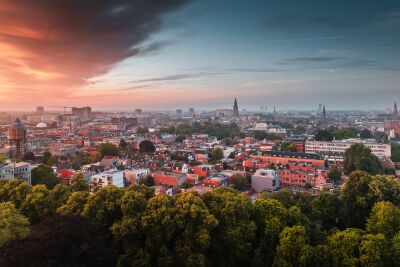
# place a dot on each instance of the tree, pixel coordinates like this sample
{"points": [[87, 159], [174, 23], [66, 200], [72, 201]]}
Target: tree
{"points": [[288, 146], [123, 144], [12, 223], [108, 149], [344, 247], [323, 135], [217, 154], [328, 208], [142, 130], [75, 204], [59, 196], [293, 243], [365, 134], [147, 146], [180, 138], [104, 205], [356, 197], [360, 158], [183, 129], [239, 182], [44, 174], [29, 156], [299, 130], [384, 219], [15, 191], [334, 174], [147, 180], [79, 183], [194, 224], [46, 157], [37, 204], [395, 153], [61, 241], [233, 238], [374, 251]]}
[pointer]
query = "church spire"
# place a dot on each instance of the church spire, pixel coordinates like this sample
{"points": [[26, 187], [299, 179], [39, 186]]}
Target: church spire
{"points": [[235, 109], [395, 112]]}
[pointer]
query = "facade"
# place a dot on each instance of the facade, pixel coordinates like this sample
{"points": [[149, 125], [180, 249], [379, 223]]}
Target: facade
{"points": [[134, 176], [83, 113], [283, 158], [168, 179], [21, 170], [17, 138], [112, 177], [265, 180], [336, 149]]}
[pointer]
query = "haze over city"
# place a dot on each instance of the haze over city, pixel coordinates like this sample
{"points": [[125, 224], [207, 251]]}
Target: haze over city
{"points": [[181, 53]]}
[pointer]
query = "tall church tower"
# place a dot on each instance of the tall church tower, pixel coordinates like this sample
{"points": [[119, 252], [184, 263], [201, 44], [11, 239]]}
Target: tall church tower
{"points": [[235, 109], [324, 114], [395, 112]]}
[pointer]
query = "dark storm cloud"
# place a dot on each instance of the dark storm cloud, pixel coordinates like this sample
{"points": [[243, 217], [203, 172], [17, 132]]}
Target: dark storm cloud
{"points": [[75, 40]]}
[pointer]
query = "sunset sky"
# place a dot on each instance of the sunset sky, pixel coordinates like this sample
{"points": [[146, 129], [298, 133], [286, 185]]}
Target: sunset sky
{"points": [[161, 54]]}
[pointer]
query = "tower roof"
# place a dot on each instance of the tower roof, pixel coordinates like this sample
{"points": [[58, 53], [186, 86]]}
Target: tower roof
{"points": [[18, 125]]}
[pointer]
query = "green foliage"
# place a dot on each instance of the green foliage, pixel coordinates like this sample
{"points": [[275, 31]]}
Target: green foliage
{"points": [[14, 190], [288, 146], [75, 204], [147, 146], [360, 158], [323, 135], [47, 157], [147, 180], [142, 130], [334, 174], [108, 149], [12, 223], [123, 144], [239, 182], [384, 219], [219, 130], [395, 153], [365, 134], [344, 247], [61, 241], [235, 233], [104, 205], [328, 208], [356, 197], [79, 183], [292, 248], [59, 195], [183, 129], [217, 154], [180, 138], [29, 156], [38, 204], [44, 174]]}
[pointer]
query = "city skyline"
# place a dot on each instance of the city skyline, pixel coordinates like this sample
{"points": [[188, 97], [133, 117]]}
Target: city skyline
{"points": [[200, 54]]}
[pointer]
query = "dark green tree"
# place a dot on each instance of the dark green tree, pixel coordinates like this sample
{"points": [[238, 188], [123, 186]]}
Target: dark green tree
{"points": [[44, 174], [360, 158], [29, 156], [61, 241], [108, 149], [147, 146], [323, 135]]}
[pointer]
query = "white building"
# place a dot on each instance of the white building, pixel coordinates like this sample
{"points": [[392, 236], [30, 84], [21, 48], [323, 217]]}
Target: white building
{"points": [[335, 149], [111, 177], [135, 175], [265, 180], [21, 170]]}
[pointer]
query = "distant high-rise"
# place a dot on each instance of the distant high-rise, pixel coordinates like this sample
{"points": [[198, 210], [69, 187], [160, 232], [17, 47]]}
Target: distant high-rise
{"points": [[235, 109], [320, 109], [17, 138], [179, 112], [395, 112], [40, 110], [191, 111]]}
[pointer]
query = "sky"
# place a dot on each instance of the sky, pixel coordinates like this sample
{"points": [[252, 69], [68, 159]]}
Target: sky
{"points": [[168, 54]]}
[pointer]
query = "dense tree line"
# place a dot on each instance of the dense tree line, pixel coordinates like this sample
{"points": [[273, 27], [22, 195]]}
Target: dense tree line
{"points": [[67, 226]]}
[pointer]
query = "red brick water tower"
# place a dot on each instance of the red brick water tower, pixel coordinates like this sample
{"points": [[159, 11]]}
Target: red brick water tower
{"points": [[17, 138]]}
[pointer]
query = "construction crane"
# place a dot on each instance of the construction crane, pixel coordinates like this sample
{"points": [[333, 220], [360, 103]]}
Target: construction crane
{"points": [[65, 108]]}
